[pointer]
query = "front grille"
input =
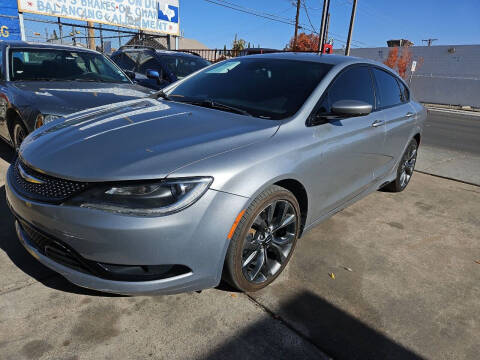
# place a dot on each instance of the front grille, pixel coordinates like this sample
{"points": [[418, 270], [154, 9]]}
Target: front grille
{"points": [[65, 255], [41, 187], [53, 249]]}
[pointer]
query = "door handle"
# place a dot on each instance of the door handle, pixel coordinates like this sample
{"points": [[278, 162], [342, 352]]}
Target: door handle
{"points": [[409, 114], [378, 123]]}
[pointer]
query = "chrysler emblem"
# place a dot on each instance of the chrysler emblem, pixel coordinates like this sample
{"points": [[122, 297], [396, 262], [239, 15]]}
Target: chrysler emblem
{"points": [[29, 178]]}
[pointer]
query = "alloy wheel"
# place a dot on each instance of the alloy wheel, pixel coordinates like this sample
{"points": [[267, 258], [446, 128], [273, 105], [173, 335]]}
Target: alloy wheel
{"points": [[269, 241], [408, 164], [18, 135]]}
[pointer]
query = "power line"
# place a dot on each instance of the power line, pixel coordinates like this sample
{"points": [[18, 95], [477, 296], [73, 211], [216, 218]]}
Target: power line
{"points": [[272, 17], [251, 12]]}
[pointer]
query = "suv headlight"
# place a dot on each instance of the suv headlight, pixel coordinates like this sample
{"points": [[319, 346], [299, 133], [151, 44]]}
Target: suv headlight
{"points": [[152, 198]]}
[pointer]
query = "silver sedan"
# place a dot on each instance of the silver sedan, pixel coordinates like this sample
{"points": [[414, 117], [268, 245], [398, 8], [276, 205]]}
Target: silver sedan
{"points": [[218, 175]]}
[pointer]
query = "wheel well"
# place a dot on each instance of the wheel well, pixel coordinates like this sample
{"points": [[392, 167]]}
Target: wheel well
{"points": [[300, 194], [417, 138]]}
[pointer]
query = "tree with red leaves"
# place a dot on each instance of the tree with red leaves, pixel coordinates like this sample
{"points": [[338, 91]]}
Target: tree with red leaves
{"points": [[305, 42], [392, 58], [400, 63]]}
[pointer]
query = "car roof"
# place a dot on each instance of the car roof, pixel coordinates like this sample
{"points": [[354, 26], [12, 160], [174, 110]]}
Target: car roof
{"points": [[323, 58], [37, 45], [313, 57]]}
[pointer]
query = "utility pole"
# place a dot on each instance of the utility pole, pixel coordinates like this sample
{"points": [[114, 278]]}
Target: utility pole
{"points": [[296, 26], [60, 30], [119, 37], [326, 29], [101, 36], [325, 15], [350, 30], [73, 33], [91, 35], [429, 41]]}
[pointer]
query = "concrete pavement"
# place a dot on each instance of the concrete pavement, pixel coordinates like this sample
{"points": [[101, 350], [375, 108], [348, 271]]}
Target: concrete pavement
{"points": [[412, 292]]}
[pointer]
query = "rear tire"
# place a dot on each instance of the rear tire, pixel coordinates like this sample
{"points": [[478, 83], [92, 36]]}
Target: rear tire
{"points": [[405, 169], [263, 241]]}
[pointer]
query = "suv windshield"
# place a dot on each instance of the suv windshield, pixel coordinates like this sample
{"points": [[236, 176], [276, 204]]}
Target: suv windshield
{"points": [[182, 66], [263, 87], [62, 65]]}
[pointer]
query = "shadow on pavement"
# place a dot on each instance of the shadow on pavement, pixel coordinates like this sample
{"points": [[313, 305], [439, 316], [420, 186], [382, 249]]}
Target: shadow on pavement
{"points": [[330, 329], [26, 262], [6, 151]]}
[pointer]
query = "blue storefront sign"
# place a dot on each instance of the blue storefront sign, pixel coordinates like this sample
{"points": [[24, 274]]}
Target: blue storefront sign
{"points": [[9, 22]]}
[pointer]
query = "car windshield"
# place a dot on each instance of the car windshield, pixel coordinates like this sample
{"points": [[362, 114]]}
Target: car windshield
{"points": [[182, 66], [262, 87], [62, 65]]}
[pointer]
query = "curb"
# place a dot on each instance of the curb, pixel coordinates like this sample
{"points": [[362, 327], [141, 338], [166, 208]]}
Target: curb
{"points": [[451, 107]]}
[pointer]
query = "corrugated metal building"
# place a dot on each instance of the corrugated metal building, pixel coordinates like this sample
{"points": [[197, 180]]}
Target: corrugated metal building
{"points": [[445, 74]]}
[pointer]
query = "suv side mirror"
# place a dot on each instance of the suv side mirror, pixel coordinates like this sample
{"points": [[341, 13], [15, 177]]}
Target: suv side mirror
{"points": [[351, 108], [130, 74], [153, 74]]}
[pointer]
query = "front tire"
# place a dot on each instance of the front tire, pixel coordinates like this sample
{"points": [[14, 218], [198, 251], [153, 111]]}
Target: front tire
{"points": [[19, 133], [405, 168], [263, 241]]}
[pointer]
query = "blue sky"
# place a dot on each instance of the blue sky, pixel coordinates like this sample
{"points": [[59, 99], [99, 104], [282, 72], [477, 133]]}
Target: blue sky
{"points": [[452, 22]]}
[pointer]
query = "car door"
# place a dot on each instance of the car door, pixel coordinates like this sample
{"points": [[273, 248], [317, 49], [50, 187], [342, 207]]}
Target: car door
{"points": [[394, 104], [3, 98], [351, 148]]}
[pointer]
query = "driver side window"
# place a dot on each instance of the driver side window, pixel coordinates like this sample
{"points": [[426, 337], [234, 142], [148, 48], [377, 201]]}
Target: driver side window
{"points": [[353, 84]]}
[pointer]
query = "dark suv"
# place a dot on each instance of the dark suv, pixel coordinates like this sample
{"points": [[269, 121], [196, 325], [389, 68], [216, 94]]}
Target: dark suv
{"points": [[42, 82], [156, 68]]}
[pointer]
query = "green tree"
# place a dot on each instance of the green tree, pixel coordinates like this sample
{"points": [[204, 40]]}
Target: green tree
{"points": [[238, 45]]}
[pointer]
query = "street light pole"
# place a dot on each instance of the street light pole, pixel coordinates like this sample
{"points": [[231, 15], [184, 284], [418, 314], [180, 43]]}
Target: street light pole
{"points": [[296, 26], [350, 30]]}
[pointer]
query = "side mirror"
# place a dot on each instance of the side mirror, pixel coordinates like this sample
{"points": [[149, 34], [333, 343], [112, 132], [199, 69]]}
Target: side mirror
{"points": [[351, 108], [153, 74], [130, 74]]}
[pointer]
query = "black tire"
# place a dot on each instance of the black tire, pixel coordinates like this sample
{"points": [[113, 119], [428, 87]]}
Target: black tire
{"points": [[284, 205], [18, 133], [405, 169]]}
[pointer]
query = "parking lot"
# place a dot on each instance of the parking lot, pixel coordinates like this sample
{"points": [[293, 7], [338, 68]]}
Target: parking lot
{"points": [[394, 276]]}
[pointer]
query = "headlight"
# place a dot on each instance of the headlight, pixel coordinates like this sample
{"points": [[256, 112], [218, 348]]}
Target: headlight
{"points": [[44, 119], [145, 199]]}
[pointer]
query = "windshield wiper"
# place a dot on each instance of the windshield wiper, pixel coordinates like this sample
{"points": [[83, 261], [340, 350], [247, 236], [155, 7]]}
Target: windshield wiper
{"points": [[160, 94], [216, 105]]}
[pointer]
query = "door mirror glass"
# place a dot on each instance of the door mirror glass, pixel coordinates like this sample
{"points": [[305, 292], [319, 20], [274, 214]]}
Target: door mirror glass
{"points": [[351, 108], [153, 74]]}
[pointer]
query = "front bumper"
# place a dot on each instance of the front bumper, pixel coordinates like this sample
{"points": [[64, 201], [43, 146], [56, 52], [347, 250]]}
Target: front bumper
{"points": [[195, 238]]}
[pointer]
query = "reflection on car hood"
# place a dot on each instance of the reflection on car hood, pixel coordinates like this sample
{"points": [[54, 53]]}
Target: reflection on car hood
{"points": [[66, 97], [138, 139]]}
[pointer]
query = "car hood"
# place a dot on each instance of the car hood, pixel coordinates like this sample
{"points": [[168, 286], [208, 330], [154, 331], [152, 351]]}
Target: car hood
{"points": [[138, 139], [66, 97]]}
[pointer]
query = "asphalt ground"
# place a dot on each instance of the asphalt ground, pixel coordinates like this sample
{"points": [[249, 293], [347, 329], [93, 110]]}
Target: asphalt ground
{"points": [[394, 276], [451, 145]]}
